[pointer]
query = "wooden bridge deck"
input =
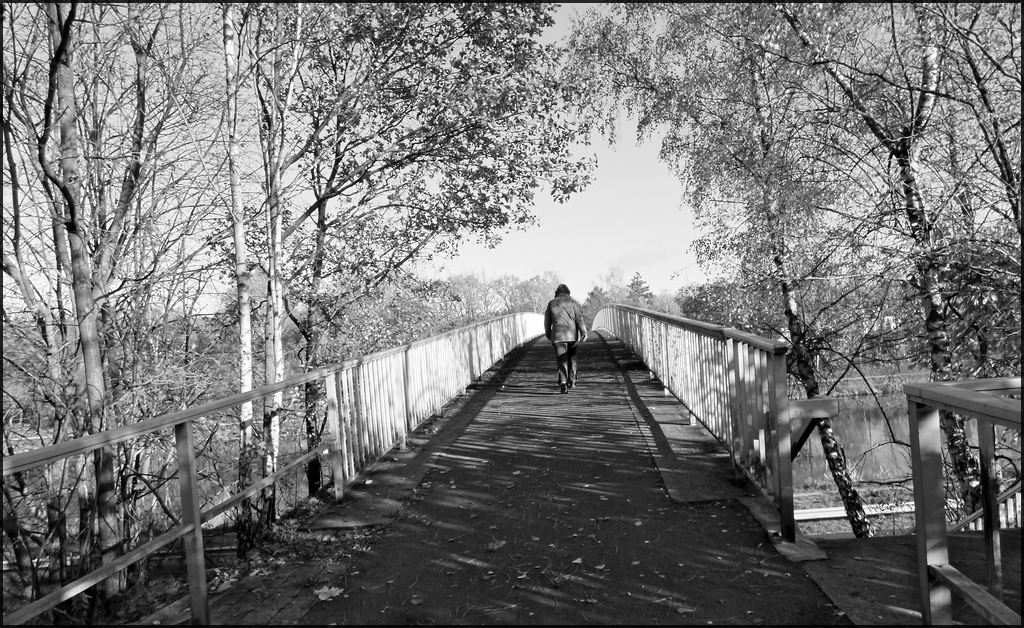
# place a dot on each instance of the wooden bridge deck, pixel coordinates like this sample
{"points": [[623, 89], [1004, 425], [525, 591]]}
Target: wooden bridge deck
{"points": [[610, 504]]}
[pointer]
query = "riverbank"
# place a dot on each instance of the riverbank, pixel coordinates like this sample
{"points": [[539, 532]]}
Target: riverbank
{"points": [[881, 384]]}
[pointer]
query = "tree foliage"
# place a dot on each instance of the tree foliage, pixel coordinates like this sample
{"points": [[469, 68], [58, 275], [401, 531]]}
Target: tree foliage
{"points": [[823, 149], [361, 137]]}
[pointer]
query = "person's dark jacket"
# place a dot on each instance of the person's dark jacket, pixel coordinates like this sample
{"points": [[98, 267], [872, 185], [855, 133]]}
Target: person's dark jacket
{"points": [[563, 318]]}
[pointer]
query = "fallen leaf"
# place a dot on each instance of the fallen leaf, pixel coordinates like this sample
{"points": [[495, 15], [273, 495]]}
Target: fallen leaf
{"points": [[577, 561], [416, 601], [328, 593]]}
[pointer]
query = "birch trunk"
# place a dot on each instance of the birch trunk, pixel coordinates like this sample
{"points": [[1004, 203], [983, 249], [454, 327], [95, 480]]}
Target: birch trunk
{"points": [[802, 364], [835, 455], [244, 526]]}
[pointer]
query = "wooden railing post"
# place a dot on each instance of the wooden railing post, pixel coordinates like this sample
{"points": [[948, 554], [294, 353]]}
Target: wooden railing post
{"points": [[929, 504], [735, 408], [407, 416], [665, 370], [779, 407], [990, 509], [191, 515], [337, 443]]}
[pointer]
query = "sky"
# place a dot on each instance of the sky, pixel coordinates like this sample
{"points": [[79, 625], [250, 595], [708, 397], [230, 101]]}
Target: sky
{"points": [[631, 217]]}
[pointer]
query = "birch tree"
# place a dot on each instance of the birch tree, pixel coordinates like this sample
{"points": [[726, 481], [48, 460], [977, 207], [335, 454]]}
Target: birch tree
{"points": [[896, 91]]}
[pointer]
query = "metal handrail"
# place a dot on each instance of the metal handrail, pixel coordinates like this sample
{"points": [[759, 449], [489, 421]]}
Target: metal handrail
{"points": [[986, 402], [373, 401]]}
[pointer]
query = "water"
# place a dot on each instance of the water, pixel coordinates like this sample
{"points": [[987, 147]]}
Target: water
{"points": [[876, 441]]}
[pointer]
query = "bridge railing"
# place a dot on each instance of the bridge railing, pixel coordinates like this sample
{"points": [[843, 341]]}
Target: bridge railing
{"points": [[987, 402], [373, 402], [733, 382]]}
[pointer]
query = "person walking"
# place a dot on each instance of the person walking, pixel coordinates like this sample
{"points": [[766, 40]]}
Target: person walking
{"points": [[564, 327]]}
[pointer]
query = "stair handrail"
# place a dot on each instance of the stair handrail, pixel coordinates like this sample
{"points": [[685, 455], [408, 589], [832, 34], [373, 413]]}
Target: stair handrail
{"points": [[1004, 497], [989, 403]]}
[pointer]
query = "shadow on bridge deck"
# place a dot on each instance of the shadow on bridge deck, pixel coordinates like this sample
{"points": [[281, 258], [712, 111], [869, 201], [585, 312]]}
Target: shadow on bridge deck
{"points": [[605, 505]]}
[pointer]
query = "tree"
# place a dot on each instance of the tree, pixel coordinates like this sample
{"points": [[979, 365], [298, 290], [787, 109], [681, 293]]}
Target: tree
{"points": [[837, 171], [639, 292], [596, 299], [244, 522], [901, 110], [735, 137], [406, 128], [106, 239]]}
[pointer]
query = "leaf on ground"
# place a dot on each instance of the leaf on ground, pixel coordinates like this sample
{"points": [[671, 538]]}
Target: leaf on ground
{"points": [[328, 593], [494, 545], [577, 561]]}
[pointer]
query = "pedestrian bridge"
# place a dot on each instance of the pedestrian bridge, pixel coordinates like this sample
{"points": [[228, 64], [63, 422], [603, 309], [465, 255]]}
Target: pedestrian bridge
{"points": [[659, 490]]}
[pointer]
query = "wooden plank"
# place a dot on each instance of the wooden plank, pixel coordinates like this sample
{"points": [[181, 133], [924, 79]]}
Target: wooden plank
{"points": [[990, 508], [779, 406], [1001, 385], [188, 485], [337, 445], [981, 601], [929, 510], [839, 512], [948, 396]]}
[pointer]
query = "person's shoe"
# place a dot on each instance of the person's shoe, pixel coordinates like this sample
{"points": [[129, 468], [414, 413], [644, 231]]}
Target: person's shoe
{"points": [[564, 388], [572, 385]]}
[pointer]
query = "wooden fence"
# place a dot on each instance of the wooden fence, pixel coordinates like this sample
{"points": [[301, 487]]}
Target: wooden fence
{"points": [[987, 402], [373, 402], [735, 384]]}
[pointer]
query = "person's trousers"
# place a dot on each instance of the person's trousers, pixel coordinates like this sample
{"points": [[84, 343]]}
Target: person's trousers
{"points": [[565, 356]]}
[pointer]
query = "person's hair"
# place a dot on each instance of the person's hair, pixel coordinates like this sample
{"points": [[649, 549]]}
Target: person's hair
{"points": [[561, 289]]}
